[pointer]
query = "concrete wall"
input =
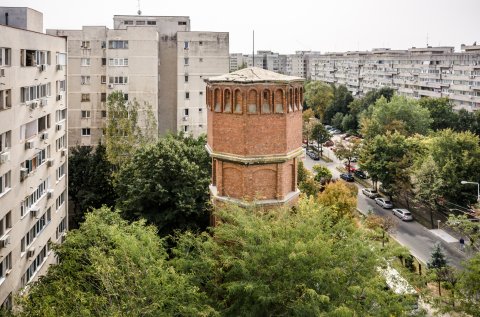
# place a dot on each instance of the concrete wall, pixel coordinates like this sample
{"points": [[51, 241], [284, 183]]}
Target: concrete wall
{"points": [[23, 18]]}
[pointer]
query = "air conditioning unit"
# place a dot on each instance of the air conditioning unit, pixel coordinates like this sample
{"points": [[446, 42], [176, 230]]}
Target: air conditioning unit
{"points": [[43, 102], [30, 252], [29, 145], [58, 126], [63, 152], [4, 241], [59, 67], [42, 67], [50, 162], [32, 105], [23, 173], [472, 76], [4, 157], [49, 193], [110, 86], [44, 136], [185, 118], [34, 211], [59, 97]]}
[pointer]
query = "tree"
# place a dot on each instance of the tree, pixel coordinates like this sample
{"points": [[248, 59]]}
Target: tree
{"points": [[167, 184], [399, 114], [384, 224], [307, 117], [347, 151], [302, 262], [466, 121], [441, 112], [437, 265], [337, 120], [340, 198], [467, 227], [306, 181], [320, 135], [349, 123], [359, 105], [90, 182], [129, 127], [341, 98], [322, 174], [109, 267], [468, 287], [318, 96]]}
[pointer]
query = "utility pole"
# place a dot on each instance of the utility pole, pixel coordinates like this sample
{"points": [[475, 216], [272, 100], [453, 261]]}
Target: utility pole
{"points": [[253, 53]]}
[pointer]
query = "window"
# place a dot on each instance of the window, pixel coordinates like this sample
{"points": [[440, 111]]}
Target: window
{"points": [[128, 22], [187, 95], [85, 62], [200, 43], [35, 230], [139, 22], [103, 79], [34, 162], [104, 113], [182, 23], [85, 97], [5, 56], [125, 97], [103, 96], [85, 80], [37, 263], [185, 128], [61, 59], [118, 80], [5, 140], [118, 62], [185, 112], [5, 265], [185, 61], [30, 58], [118, 44], [85, 113], [60, 143], [104, 61], [7, 303], [60, 115], [5, 182], [60, 171], [61, 227], [200, 110], [85, 44], [152, 22], [85, 131], [30, 93], [31, 199], [186, 78], [200, 59], [5, 99], [5, 223], [60, 200], [200, 93], [185, 45], [61, 86]]}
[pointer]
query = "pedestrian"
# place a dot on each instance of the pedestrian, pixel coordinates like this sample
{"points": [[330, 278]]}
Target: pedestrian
{"points": [[462, 244]]}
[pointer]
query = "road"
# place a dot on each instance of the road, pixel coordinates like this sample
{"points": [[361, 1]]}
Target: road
{"points": [[418, 239]]}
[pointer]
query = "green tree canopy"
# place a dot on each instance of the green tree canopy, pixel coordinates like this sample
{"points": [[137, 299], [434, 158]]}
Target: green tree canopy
{"points": [[109, 267], [319, 134], [400, 114], [341, 99], [286, 263], [441, 112], [167, 184], [322, 173], [318, 96]]}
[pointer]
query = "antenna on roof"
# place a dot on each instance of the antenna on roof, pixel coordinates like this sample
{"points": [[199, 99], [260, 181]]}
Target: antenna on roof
{"points": [[139, 11], [253, 56]]}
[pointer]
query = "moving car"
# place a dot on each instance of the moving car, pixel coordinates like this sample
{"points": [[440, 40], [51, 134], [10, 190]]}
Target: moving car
{"points": [[347, 177], [370, 192], [384, 203], [360, 174], [403, 214]]}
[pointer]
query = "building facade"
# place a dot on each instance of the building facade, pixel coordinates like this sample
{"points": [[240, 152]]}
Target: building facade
{"points": [[143, 57], [33, 143], [254, 137]]}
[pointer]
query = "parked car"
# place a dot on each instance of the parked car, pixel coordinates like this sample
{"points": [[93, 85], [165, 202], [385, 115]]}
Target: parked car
{"points": [[347, 177], [403, 214], [361, 174], [370, 192], [313, 155], [335, 131], [384, 203], [328, 143]]}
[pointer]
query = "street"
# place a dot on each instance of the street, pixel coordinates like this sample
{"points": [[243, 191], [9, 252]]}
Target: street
{"points": [[418, 239]]}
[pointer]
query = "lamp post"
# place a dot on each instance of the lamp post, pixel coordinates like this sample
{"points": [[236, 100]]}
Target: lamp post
{"points": [[478, 188]]}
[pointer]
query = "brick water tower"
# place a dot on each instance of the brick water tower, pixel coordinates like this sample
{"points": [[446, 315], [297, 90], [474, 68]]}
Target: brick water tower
{"points": [[254, 137]]}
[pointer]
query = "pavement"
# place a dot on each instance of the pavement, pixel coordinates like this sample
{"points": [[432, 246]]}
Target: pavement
{"points": [[412, 235]]}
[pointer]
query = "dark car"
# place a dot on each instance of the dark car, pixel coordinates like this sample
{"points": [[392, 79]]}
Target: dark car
{"points": [[347, 177], [361, 174], [328, 143]]}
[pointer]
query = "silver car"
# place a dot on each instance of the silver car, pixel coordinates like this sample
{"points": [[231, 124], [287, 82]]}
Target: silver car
{"points": [[370, 192], [384, 203], [403, 214]]}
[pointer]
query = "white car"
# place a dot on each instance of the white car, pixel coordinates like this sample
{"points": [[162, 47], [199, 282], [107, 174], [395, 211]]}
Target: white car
{"points": [[384, 203], [403, 214], [370, 192]]}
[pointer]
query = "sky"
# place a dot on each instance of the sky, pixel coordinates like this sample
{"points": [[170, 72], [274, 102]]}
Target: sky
{"points": [[289, 26]]}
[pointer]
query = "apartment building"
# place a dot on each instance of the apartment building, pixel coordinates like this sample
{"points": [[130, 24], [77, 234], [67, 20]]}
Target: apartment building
{"points": [[416, 72], [143, 57], [33, 155]]}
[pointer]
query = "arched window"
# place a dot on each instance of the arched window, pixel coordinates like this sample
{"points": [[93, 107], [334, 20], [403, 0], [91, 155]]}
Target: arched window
{"points": [[252, 101], [296, 99], [218, 100], [290, 100], [208, 98], [238, 101], [266, 100], [278, 101], [301, 97], [227, 101]]}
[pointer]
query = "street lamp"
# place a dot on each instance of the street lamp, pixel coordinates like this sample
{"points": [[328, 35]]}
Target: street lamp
{"points": [[478, 188]]}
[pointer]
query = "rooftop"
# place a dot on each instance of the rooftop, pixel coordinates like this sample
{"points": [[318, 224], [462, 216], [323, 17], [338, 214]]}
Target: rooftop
{"points": [[254, 75]]}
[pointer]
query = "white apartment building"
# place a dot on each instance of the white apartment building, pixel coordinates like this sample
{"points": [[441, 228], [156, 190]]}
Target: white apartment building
{"points": [[33, 155], [141, 57]]}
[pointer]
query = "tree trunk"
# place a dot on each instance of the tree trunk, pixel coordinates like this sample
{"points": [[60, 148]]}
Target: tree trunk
{"points": [[431, 218], [383, 239], [439, 288]]}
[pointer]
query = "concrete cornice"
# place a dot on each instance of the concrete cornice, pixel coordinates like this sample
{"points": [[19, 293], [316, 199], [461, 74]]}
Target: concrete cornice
{"points": [[261, 203], [252, 160]]}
